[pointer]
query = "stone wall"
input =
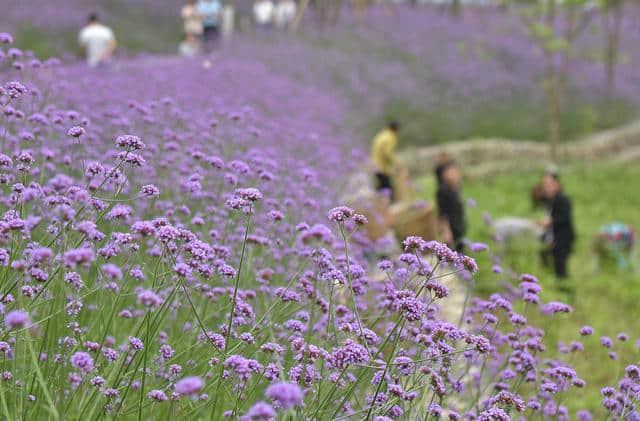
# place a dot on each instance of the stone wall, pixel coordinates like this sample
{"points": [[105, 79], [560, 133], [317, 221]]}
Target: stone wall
{"points": [[492, 155]]}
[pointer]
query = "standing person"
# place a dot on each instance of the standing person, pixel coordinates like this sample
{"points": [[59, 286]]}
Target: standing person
{"points": [[192, 20], [384, 157], [98, 41], [284, 13], [263, 13], [450, 207], [560, 223], [210, 11]]}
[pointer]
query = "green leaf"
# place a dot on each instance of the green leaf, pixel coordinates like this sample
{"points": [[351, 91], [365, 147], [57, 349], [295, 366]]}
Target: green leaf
{"points": [[541, 31], [557, 44]]}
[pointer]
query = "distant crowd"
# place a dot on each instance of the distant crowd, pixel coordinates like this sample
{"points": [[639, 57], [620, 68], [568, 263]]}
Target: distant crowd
{"points": [[204, 21]]}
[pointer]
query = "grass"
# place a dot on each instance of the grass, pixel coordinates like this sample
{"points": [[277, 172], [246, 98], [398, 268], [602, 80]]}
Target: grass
{"points": [[47, 43], [126, 18], [606, 299]]}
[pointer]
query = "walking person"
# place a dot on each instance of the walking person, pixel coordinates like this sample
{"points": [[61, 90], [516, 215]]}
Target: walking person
{"points": [[263, 13], [210, 11], [560, 223], [98, 41], [450, 207], [384, 157]]}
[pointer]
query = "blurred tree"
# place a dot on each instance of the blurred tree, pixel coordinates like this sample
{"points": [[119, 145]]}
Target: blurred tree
{"points": [[299, 14], [578, 15], [334, 13], [456, 8], [326, 11], [612, 19], [322, 8], [554, 26]]}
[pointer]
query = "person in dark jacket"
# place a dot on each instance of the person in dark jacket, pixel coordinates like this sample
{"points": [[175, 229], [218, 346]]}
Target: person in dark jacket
{"points": [[560, 223], [450, 207], [443, 161]]}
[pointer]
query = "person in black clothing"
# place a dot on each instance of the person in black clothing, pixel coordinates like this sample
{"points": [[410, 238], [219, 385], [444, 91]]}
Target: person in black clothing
{"points": [[560, 223], [450, 207], [443, 161]]}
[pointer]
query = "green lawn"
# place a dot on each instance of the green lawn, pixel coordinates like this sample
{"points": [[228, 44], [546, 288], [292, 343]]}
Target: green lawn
{"points": [[606, 299]]}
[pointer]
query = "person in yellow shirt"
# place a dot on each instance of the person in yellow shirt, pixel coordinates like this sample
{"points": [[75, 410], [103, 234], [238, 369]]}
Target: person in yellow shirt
{"points": [[384, 158]]}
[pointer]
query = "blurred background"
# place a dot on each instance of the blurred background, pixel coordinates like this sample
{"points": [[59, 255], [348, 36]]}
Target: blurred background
{"points": [[451, 69], [505, 86]]}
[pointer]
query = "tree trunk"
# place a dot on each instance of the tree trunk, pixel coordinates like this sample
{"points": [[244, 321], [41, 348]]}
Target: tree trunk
{"points": [[303, 7], [361, 8], [551, 11], [322, 10], [612, 42], [335, 12], [552, 87], [456, 8], [568, 36], [553, 103]]}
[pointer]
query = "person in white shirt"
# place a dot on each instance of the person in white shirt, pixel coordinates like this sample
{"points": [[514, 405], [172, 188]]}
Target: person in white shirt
{"points": [[284, 13], [263, 13], [98, 41]]}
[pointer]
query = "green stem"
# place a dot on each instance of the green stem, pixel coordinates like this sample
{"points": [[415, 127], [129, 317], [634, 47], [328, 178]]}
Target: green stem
{"points": [[237, 283], [386, 368], [233, 308], [353, 295], [43, 383], [144, 370]]}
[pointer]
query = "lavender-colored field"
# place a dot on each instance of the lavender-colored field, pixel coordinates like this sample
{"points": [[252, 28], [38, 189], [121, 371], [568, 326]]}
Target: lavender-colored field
{"points": [[477, 76]]}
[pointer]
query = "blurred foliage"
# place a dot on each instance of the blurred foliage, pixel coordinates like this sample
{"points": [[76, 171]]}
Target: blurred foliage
{"points": [[47, 43], [125, 19]]}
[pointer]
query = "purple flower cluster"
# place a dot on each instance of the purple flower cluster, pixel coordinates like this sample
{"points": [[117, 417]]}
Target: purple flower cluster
{"points": [[189, 386], [285, 395], [82, 361]]}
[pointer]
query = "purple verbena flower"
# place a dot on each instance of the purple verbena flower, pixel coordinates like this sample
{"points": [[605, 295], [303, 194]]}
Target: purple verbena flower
{"points": [[189, 386], [285, 395], [16, 319]]}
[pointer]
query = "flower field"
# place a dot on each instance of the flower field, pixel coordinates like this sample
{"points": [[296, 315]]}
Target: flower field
{"points": [[172, 246]]}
